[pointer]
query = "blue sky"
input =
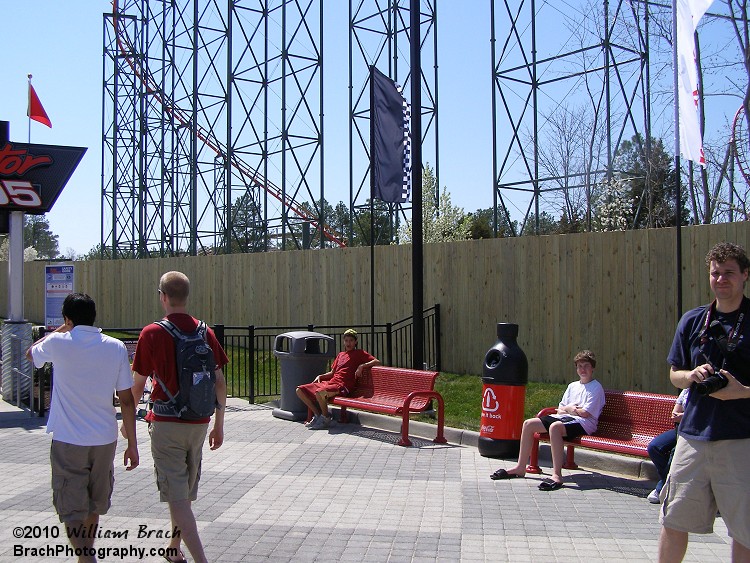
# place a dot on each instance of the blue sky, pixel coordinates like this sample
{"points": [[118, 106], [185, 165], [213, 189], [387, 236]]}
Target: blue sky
{"points": [[60, 43]]}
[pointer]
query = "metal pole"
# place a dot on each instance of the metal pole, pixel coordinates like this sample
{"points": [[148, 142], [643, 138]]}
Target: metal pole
{"points": [[15, 250], [678, 195], [372, 202], [350, 226], [494, 122], [15, 267], [284, 124], [535, 103], [321, 227], [228, 221], [608, 95], [416, 183]]}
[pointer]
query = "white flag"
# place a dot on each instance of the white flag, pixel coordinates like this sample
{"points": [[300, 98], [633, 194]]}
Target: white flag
{"points": [[689, 13]]}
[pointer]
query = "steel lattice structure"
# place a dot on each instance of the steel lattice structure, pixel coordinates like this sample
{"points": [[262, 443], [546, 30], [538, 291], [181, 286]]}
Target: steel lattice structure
{"points": [[213, 116], [212, 120], [530, 87]]}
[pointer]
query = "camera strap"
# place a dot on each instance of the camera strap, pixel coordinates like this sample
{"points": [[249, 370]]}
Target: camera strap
{"points": [[734, 335]]}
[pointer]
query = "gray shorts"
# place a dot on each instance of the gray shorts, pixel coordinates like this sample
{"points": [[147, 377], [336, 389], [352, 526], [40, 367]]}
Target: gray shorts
{"points": [[82, 479], [704, 477]]}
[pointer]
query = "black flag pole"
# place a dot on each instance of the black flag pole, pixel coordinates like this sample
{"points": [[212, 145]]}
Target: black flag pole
{"points": [[677, 190], [416, 186], [372, 204], [391, 175]]}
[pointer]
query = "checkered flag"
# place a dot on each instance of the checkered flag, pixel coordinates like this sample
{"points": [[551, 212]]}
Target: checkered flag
{"points": [[406, 194], [390, 140]]}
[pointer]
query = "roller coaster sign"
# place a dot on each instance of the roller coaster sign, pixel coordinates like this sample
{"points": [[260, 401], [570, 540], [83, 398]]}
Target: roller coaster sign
{"points": [[32, 176]]}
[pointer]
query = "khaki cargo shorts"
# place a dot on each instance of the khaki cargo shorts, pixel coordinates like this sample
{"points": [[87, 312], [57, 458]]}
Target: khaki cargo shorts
{"points": [[82, 479], [706, 477], [177, 449]]}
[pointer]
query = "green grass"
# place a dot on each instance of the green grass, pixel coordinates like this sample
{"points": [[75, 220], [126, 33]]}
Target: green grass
{"points": [[463, 399], [122, 335], [265, 368], [462, 393]]}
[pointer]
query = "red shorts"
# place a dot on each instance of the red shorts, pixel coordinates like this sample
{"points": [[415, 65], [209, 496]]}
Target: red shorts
{"points": [[312, 388]]}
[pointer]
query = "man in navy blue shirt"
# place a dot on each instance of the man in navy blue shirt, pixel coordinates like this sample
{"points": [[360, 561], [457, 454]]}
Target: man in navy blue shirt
{"points": [[711, 465]]}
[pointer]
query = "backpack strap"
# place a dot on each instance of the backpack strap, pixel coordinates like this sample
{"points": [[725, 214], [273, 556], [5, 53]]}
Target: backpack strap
{"points": [[176, 334], [170, 327]]}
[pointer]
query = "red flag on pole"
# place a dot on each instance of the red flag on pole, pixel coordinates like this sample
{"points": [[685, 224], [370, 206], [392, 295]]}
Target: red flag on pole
{"points": [[35, 110]]}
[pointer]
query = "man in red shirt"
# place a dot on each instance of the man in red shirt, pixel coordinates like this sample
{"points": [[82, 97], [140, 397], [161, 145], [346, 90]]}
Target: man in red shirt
{"points": [[345, 370], [177, 445]]}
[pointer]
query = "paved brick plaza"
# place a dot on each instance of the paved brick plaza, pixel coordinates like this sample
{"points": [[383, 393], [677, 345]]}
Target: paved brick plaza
{"points": [[277, 491]]}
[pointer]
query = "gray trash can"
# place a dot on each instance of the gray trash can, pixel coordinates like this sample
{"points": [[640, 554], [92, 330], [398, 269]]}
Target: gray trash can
{"points": [[303, 355]]}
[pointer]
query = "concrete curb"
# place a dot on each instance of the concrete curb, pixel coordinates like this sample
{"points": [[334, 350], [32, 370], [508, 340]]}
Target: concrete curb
{"points": [[591, 460]]}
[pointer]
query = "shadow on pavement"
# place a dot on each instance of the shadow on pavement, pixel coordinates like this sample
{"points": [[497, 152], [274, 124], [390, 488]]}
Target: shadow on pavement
{"points": [[593, 480]]}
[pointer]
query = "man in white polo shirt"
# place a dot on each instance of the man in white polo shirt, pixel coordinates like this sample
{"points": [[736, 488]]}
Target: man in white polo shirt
{"points": [[88, 367]]}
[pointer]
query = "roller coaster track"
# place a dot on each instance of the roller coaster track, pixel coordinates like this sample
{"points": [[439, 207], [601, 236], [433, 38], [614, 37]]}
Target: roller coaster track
{"points": [[741, 142], [249, 176]]}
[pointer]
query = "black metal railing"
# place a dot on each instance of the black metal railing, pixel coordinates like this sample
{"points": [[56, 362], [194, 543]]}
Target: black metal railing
{"points": [[253, 371]]}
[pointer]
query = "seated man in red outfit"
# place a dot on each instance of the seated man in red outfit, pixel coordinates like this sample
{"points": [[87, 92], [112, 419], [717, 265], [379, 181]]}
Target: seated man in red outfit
{"points": [[345, 369]]}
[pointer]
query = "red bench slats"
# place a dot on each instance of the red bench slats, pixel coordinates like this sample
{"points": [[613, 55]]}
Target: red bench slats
{"points": [[388, 390], [628, 423]]}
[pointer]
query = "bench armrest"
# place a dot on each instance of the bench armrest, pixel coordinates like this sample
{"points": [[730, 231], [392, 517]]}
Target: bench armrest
{"points": [[427, 393], [546, 411], [440, 439]]}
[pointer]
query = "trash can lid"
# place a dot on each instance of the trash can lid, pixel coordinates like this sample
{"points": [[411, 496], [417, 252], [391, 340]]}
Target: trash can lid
{"points": [[302, 334], [305, 343]]}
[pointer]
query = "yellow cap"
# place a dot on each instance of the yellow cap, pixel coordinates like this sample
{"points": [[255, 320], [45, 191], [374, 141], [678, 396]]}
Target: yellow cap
{"points": [[350, 332]]}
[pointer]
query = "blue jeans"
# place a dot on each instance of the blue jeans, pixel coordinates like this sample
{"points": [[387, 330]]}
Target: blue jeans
{"points": [[660, 451]]}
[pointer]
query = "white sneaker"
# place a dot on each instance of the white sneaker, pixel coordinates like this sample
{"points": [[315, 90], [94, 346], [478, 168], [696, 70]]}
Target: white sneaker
{"points": [[653, 497], [321, 423]]}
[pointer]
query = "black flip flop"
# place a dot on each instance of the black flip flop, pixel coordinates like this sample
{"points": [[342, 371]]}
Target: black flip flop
{"points": [[550, 485], [503, 474], [181, 559]]}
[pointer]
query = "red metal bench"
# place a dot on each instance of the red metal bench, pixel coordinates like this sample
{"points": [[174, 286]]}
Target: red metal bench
{"points": [[629, 421], [389, 390]]}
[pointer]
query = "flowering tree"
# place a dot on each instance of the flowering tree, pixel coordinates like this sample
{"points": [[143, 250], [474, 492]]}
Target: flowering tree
{"points": [[615, 206], [29, 254], [442, 222]]}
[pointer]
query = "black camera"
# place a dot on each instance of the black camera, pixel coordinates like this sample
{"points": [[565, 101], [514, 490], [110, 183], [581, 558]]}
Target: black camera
{"points": [[716, 381], [711, 384]]}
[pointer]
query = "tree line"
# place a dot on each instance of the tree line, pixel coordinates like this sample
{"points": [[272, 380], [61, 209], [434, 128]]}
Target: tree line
{"points": [[617, 205]]}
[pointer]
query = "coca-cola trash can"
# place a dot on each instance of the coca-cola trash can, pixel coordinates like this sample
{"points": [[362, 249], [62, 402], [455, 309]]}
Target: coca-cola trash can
{"points": [[504, 377]]}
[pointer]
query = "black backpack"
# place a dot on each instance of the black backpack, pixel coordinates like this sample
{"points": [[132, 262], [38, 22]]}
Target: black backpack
{"points": [[194, 358]]}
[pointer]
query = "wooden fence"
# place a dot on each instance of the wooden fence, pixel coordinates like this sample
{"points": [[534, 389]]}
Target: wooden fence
{"points": [[614, 293]]}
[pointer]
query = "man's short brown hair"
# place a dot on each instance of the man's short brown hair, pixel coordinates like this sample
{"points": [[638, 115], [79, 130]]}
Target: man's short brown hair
{"points": [[728, 251], [585, 356], [176, 286]]}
